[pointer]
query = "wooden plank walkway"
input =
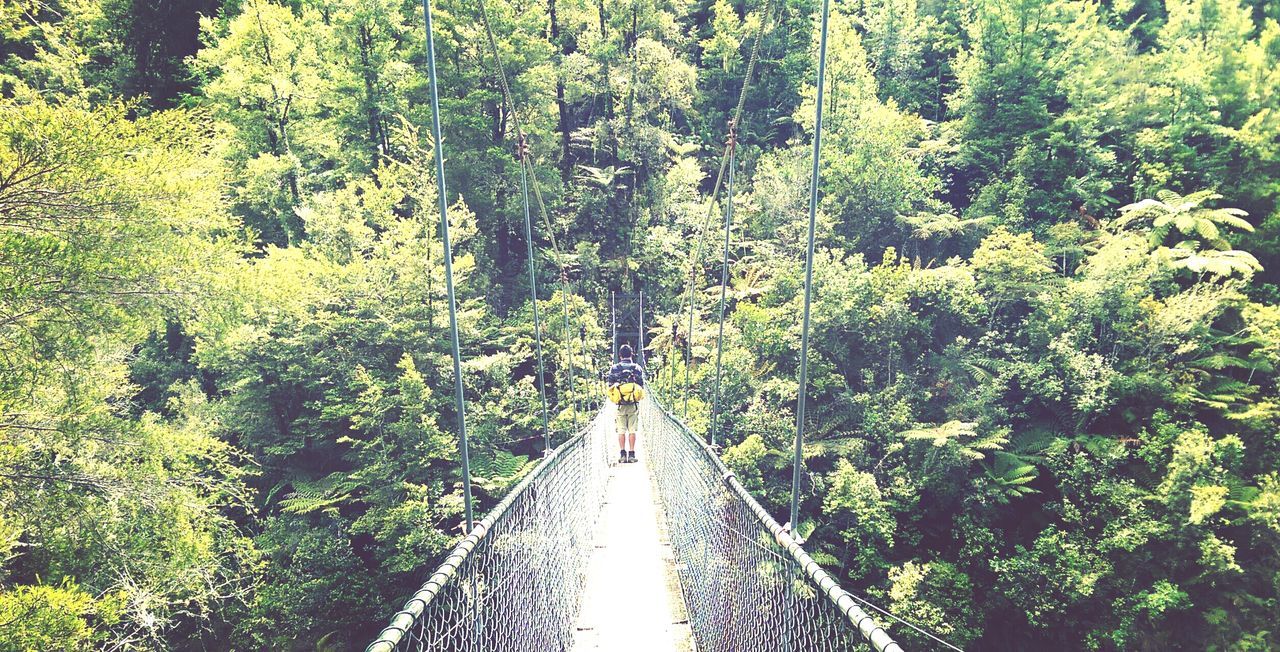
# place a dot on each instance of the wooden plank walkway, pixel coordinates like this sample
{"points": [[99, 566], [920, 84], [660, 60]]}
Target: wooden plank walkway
{"points": [[631, 604]]}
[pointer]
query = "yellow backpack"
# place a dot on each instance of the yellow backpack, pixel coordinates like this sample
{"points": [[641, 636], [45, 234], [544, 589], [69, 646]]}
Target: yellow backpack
{"points": [[626, 393]]}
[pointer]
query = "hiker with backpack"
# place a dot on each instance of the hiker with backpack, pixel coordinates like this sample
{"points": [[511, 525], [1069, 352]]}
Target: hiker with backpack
{"points": [[626, 389]]}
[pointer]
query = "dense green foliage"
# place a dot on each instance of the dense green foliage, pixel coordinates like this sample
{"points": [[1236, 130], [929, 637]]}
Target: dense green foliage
{"points": [[1046, 333]]}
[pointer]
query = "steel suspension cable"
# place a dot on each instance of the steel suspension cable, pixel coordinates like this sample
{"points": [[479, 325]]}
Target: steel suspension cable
{"points": [[688, 351], [730, 145], [808, 271], [443, 197], [518, 126], [568, 349], [566, 294], [526, 171]]}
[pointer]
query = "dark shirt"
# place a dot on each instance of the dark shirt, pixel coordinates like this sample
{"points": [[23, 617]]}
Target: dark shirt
{"points": [[625, 371]]}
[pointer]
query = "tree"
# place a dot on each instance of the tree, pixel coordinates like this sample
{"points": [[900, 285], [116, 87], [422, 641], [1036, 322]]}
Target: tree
{"points": [[114, 522]]}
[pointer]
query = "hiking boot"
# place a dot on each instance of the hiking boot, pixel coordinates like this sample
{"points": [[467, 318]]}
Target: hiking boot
{"points": [[622, 457], [631, 457]]}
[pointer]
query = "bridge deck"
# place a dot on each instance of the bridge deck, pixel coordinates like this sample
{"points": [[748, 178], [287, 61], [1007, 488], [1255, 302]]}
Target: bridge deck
{"points": [[629, 601]]}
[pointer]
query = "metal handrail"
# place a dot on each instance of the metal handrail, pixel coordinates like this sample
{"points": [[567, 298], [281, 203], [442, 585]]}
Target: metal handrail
{"points": [[417, 604], [866, 625]]}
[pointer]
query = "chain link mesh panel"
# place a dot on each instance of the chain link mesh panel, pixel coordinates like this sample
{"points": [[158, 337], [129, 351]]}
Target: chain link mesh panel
{"points": [[515, 583], [747, 585]]}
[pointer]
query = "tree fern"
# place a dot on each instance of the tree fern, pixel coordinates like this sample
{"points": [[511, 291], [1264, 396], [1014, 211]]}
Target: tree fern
{"points": [[604, 178], [963, 436], [498, 472], [1187, 215], [1188, 255], [323, 495], [942, 226], [1009, 475], [1203, 247]]}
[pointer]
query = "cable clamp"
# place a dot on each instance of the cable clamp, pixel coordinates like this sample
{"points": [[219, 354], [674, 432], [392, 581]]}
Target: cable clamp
{"points": [[793, 536]]}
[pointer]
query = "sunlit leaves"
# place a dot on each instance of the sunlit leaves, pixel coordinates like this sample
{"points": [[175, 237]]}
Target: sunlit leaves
{"points": [[854, 501], [110, 226], [44, 616], [1233, 262], [1010, 267], [936, 595], [728, 32], [1066, 568]]}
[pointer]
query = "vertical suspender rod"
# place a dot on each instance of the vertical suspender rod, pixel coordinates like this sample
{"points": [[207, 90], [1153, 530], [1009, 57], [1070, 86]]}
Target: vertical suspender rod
{"points": [[808, 271], [459, 401], [724, 284], [533, 297]]}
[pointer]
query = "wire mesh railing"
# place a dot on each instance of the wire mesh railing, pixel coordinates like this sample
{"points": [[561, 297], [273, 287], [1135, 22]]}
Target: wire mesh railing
{"points": [[514, 584], [748, 586]]}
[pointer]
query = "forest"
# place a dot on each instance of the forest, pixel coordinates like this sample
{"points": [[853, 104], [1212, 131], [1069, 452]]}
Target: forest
{"points": [[1045, 343]]}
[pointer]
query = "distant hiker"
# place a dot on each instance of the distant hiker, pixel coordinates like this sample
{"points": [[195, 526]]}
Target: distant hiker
{"points": [[626, 388]]}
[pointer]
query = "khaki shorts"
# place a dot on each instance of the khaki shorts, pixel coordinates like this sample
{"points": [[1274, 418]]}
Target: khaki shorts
{"points": [[629, 418]]}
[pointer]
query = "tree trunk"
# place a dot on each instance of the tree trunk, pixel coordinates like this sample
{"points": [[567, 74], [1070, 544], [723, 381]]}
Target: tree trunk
{"points": [[608, 88], [562, 107], [370, 95]]}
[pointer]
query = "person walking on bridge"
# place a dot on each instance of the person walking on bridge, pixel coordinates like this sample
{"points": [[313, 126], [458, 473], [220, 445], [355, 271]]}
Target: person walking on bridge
{"points": [[626, 383]]}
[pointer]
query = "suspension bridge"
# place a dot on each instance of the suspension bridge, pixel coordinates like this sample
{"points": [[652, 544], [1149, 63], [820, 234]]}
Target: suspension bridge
{"points": [[538, 574], [672, 553]]}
